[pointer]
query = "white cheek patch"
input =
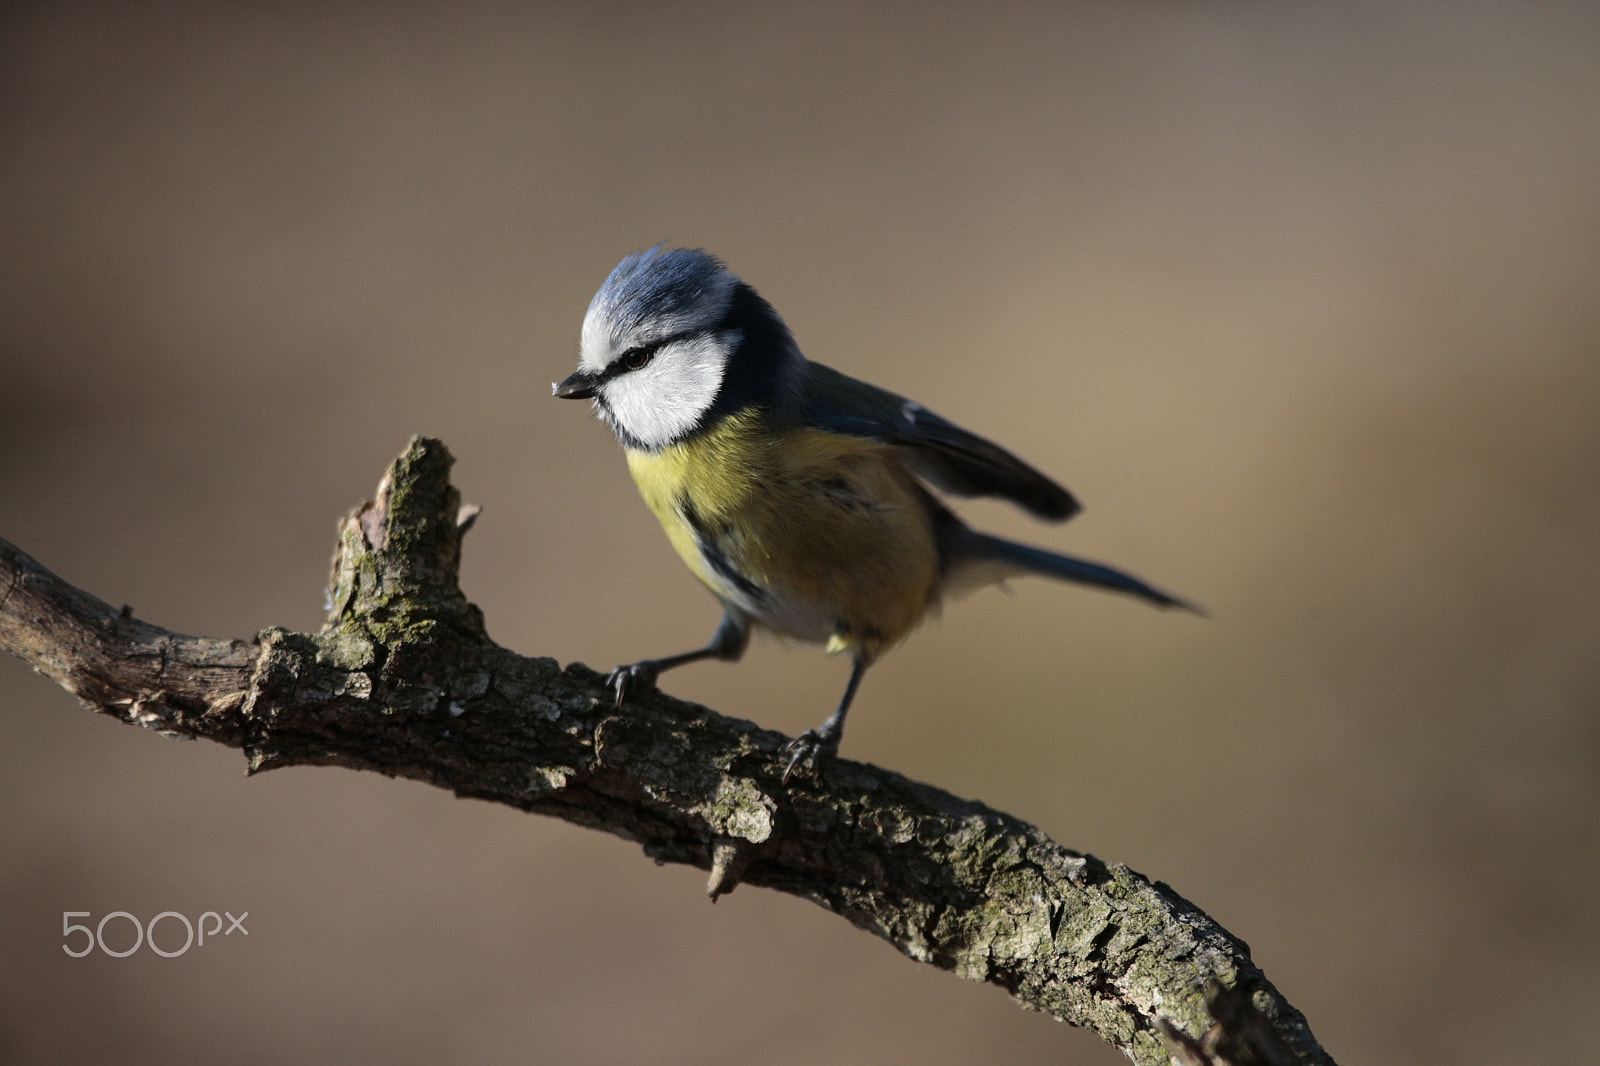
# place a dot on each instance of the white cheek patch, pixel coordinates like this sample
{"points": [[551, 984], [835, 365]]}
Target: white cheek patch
{"points": [[661, 402]]}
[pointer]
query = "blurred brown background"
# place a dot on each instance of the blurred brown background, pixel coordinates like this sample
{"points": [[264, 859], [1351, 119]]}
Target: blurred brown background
{"points": [[1300, 299]]}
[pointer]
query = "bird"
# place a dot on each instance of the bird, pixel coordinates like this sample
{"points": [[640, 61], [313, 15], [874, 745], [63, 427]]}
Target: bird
{"points": [[807, 501]]}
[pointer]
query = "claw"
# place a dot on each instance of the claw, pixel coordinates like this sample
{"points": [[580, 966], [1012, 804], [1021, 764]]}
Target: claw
{"points": [[810, 749], [632, 679]]}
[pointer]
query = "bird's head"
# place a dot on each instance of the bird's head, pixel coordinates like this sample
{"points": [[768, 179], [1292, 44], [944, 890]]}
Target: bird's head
{"points": [[672, 342]]}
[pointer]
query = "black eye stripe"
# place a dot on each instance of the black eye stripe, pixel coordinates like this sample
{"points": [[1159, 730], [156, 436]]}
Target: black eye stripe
{"points": [[639, 356]]}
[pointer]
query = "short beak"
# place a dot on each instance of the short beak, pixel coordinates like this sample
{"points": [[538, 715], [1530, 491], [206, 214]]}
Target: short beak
{"points": [[579, 386]]}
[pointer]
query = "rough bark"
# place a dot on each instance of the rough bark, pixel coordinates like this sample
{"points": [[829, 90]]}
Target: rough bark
{"points": [[403, 680]]}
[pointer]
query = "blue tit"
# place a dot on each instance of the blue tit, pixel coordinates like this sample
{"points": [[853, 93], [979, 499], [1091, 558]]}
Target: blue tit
{"points": [[802, 498]]}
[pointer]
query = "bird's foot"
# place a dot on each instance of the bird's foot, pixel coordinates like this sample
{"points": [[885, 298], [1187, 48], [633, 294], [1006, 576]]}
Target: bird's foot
{"points": [[811, 749], [633, 679]]}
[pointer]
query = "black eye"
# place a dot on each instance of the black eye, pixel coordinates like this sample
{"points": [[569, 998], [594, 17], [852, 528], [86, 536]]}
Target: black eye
{"points": [[636, 358]]}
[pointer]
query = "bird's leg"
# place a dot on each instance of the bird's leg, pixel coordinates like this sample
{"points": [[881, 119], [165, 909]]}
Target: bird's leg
{"points": [[727, 643], [815, 746]]}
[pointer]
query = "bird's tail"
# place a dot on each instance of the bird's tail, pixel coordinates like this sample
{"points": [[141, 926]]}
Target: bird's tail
{"points": [[998, 559]]}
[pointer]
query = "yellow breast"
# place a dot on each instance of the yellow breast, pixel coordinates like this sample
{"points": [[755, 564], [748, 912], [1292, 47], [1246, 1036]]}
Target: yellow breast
{"points": [[830, 532]]}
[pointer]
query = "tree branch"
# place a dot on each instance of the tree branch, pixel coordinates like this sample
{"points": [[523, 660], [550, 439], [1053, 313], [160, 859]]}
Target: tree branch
{"points": [[403, 680]]}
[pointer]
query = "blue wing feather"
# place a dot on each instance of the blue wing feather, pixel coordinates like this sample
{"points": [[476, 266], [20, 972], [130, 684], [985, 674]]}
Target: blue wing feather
{"points": [[948, 457]]}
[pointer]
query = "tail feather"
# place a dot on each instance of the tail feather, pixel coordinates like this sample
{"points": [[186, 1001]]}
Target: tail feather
{"points": [[1011, 558]]}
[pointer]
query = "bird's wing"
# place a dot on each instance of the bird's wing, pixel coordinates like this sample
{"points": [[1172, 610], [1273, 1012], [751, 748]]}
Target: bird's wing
{"points": [[937, 450]]}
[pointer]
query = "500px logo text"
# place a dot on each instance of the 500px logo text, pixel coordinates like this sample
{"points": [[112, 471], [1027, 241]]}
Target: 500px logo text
{"points": [[146, 934]]}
